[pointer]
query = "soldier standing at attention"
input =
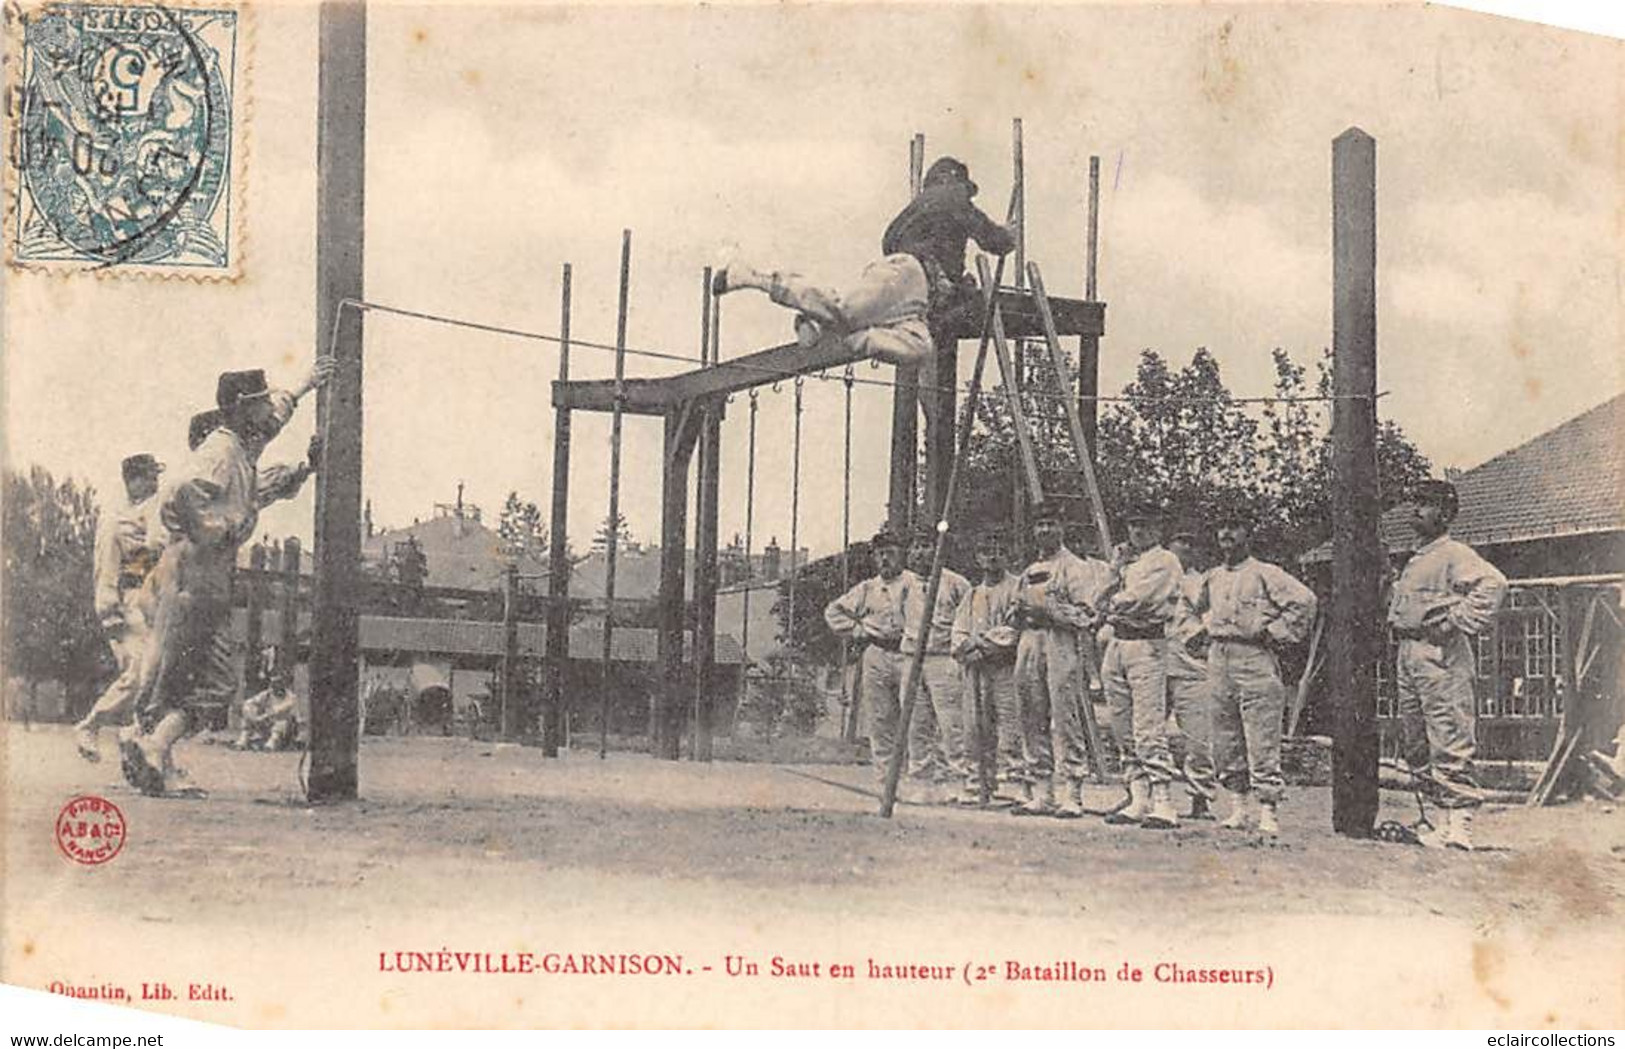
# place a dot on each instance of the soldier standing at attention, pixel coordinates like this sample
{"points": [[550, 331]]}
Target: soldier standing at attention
{"points": [[1135, 669], [1189, 693], [942, 684], [871, 615], [1055, 603], [985, 642], [1253, 610], [1446, 594]]}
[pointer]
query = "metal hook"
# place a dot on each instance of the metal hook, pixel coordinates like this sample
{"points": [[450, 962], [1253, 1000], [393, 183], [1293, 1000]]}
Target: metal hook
{"points": [[776, 387], [874, 363], [800, 380]]}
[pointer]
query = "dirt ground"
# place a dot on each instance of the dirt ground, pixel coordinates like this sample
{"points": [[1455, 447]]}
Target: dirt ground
{"points": [[477, 847]]}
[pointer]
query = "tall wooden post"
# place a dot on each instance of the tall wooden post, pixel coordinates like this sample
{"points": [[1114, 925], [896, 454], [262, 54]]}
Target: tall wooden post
{"points": [[511, 706], [1089, 345], [558, 557], [676, 458], [254, 648], [1354, 621], [706, 529], [341, 131], [612, 539], [905, 411]]}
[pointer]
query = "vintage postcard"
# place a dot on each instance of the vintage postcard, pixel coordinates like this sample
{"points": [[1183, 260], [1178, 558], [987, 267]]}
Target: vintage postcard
{"points": [[872, 515]]}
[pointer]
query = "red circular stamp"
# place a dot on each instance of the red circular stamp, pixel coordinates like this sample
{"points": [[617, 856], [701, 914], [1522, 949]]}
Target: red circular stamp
{"points": [[90, 830]]}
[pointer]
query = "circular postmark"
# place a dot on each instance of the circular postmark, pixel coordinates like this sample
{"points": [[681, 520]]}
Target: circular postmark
{"points": [[90, 830], [124, 133]]}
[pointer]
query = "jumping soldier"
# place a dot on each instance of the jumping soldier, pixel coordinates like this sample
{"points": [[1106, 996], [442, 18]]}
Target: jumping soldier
{"points": [[984, 641], [1190, 694], [128, 542], [1254, 609], [1135, 668], [1056, 601], [886, 313], [1446, 594], [872, 615], [209, 507]]}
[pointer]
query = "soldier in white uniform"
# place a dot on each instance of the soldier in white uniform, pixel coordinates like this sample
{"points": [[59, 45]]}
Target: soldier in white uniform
{"points": [[942, 684], [984, 641], [1253, 610], [1056, 601], [1190, 695], [1135, 669], [872, 615], [1446, 594], [128, 542], [209, 506]]}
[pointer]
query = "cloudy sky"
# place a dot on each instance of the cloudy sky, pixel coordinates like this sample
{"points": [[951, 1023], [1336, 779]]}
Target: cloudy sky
{"points": [[506, 141]]}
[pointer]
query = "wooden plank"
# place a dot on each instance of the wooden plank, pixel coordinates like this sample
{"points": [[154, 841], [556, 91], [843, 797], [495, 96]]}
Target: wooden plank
{"points": [[341, 133], [1311, 669], [653, 396], [1080, 444], [1354, 623], [1012, 392]]}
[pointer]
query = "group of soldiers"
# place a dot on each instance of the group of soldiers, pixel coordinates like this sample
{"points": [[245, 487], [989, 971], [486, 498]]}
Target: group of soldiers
{"points": [[1170, 639], [163, 565]]}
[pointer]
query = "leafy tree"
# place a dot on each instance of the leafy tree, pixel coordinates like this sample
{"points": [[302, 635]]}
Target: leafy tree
{"points": [[51, 629], [623, 535], [521, 525]]}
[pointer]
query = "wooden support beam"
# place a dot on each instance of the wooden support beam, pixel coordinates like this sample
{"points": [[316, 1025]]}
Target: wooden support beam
{"points": [[558, 555], [288, 641], [1089, 345], [254, 669], [903, 479], [668, 707], [1354, 619], [341, 131], [706, 538], [510, 710], [613, 525]]}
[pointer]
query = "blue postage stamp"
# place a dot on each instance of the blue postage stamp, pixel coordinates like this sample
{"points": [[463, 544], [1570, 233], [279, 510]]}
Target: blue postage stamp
{"points": [[122, 139]]}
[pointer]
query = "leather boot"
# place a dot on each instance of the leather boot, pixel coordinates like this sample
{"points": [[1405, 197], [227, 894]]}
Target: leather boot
{"points": [[1267, 824], [1042, 803], [1237, 820], [1459, 832], [1162, 815], [1139, 804], [1072, 805]]}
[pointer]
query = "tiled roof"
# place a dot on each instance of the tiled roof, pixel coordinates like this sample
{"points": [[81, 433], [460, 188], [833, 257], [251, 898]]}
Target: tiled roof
{"points": [[1567, 481], [470, 637], [459, 552]]}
